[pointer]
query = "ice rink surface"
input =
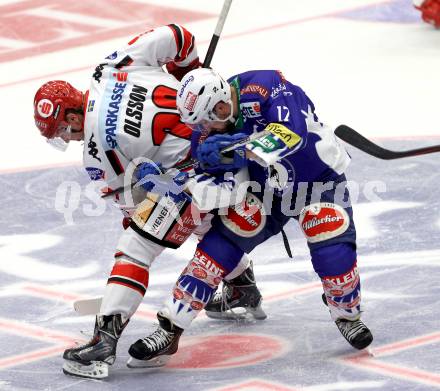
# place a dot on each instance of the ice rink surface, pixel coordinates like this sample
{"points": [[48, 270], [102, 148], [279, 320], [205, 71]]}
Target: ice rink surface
{"points": [[370, 64]]}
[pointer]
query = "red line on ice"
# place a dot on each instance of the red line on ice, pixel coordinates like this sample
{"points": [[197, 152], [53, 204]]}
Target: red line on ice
{"points": [[50, 293], [34, 355], [365, 361], [225, 36], [257, 385], [407, 344], [58, 294], [41, 333], [396, 370], [44, 23]]}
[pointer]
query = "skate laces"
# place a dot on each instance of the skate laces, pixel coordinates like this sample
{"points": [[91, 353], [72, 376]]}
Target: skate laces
{"points": [[350, 329], [218, 297], [223, 296], [92, 341], [158, 340], [226, 294]]}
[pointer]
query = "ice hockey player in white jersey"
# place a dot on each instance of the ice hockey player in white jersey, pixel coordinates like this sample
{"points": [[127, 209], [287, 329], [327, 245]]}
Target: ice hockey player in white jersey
{"points": [[127, 118]]}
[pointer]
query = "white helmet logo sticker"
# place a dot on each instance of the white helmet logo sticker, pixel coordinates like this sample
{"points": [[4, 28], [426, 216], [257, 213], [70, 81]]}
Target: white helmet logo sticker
{"points": [[45, 108]]}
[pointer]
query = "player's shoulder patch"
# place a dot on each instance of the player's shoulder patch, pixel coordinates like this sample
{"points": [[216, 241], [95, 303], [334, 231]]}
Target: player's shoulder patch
{"points": [[95, 173], [112, 56], [323, 221], [251, 109]]}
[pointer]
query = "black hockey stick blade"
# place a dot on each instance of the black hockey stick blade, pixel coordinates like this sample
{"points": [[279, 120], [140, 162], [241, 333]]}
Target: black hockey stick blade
{"points": [[350, 136]]}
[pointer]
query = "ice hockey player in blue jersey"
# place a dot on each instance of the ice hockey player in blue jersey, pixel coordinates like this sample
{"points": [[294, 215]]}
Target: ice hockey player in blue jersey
{"points": [[296, 170]]}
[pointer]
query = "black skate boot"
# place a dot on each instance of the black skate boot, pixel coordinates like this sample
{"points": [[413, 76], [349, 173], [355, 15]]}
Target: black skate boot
{"points": [[156, 349], [355, 332], [238, 298], [92, 359]]}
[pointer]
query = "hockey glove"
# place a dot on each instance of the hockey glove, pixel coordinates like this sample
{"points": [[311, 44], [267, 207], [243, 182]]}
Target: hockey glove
{"points": [[178, 71], [152, 178], [210, 156]]}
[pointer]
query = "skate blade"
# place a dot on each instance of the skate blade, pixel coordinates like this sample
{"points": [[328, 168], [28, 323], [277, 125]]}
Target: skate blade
{"points": [[96, 370], [155, 362], [239, 313], [258, 313]]}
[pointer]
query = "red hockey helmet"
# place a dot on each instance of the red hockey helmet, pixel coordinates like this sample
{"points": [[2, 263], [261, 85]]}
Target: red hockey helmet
{"points": [[430, 12], [50, 104]]}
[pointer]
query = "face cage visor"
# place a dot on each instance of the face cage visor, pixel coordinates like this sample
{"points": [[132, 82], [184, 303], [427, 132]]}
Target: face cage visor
{"points": [[62, 137], [211, 116]]}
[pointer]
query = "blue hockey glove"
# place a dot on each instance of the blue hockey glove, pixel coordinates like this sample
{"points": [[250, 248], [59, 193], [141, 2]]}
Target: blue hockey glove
{"points": [[176, 190], [147, 174], [152, 178], [211, 158]]}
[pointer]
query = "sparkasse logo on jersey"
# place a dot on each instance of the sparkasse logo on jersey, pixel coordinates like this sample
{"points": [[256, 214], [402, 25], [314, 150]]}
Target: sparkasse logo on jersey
{"points": [[111, 119]]}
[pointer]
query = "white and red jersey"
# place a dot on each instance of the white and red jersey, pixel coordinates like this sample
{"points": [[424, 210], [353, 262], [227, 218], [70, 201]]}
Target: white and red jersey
{"points": [[130, 110]]}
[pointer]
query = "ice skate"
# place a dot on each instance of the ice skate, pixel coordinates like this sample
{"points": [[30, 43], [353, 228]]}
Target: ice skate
{"points": [[239, 298], [92, 359], [156, 349], [355, 332]]}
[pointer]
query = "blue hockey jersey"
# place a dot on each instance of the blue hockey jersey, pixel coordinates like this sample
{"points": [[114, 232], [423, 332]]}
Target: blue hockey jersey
{"points": [[314, 154]]}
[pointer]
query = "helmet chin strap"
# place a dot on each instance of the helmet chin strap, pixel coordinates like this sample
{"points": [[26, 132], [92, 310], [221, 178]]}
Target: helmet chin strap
{"points": [[231, 115]]}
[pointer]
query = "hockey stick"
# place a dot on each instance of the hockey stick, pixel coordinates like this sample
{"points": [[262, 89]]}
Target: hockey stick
{"points": [[358, 141], [216, 36], [192, 162]]}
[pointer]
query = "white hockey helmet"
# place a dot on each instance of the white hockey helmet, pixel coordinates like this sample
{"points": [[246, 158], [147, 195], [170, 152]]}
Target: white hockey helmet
{"points": [[200, 90]]}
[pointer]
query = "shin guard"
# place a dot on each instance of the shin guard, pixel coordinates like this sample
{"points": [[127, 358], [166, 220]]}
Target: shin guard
{"points": [[194, 288], [126, 287]]}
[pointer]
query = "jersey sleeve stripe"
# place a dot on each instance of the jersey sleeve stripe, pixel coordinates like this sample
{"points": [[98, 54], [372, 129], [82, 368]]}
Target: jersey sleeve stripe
{"points": [[126, 61], [118, 168], [188, 43], [185, 42], [178, 36]]}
